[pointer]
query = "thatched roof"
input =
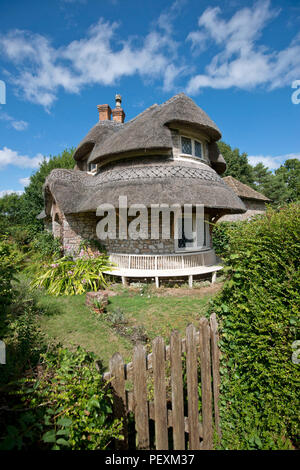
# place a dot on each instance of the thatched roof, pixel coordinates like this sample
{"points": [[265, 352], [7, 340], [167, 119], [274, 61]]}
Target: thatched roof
{"points": [[148, 131], [244, 191], [157, 183]]}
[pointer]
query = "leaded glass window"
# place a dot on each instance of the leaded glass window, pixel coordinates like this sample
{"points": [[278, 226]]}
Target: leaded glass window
{"points": [[186, 146], [198, 149]]}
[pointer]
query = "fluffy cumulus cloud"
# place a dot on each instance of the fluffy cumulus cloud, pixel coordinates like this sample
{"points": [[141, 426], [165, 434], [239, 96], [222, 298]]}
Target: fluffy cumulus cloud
{"points": [[272, 162], [101, 57], [241, 61], [11, 157], [97, 58]]}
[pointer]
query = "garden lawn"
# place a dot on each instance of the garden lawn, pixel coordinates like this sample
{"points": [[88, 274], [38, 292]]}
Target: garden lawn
{"points": [[160, 314], [71, 323]]}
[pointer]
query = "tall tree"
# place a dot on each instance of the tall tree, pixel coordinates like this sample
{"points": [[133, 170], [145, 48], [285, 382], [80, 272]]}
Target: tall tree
{"points": [[237, 164], [290, 173], [33, 201]]}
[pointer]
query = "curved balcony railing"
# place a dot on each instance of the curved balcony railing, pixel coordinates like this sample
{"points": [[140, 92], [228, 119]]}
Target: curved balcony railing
{"points": [[163, 262]]}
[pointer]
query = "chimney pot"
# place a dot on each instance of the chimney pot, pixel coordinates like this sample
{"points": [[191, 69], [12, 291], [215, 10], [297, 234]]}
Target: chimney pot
{"points": [[104, 112], [118, 99], [118, 113]]}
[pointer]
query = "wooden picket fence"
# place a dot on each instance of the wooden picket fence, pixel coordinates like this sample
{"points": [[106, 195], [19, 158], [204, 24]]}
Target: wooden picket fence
{"points": [[165, 386]]}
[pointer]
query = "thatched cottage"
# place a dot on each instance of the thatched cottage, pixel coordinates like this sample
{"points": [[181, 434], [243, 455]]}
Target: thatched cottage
{"points": [[254, 201], [166, 155]]}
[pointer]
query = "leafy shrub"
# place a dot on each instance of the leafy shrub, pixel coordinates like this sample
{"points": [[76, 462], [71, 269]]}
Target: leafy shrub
{"points": [[220, 236], [258, 313], [73, 277], [19, 328], [10, 260], [66, 406], [46, 245]]}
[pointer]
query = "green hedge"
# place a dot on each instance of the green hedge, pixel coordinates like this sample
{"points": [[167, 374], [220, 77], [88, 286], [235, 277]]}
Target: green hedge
{"points": [[258, 313], [10, 260], [220, 236]]}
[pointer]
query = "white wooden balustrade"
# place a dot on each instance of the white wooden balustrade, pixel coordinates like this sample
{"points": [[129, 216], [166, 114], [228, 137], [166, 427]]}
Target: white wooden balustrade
{"points": [[167, 265]]}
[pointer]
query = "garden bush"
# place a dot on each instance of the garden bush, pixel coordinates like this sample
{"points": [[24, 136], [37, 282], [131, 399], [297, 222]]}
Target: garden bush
{"points": [[258, 313], [64, 405], [10, 259], [220, 235], [68, 276], [46, 245]]}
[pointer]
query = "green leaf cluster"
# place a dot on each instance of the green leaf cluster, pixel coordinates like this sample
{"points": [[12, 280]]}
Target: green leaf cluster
{"points": [[258, 314], [67, 406], [67, 276], [10, 259]]}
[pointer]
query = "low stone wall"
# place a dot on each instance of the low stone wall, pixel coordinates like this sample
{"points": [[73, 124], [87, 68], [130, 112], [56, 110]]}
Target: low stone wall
{"points": [[149, 247]]}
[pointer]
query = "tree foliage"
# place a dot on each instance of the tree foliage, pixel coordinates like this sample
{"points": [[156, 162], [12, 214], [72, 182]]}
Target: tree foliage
{"points": [[33, 201], [18, 212], [281, 186], [237, 164]]}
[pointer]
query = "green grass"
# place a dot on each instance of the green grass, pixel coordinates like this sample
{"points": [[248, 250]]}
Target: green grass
{"points": [[160, 315], [69, 322], [72, 324]]}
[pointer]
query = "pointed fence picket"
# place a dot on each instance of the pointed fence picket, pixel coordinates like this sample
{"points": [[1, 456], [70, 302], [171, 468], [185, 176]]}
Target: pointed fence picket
{"points": [[164, 385]]}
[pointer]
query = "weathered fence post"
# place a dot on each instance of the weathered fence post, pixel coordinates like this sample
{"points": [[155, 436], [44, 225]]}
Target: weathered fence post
{"points": [[116, 366], [214, 335], [160, 399], [177, 391], [140, 397], [206, 384], [192, 388], [203, 343]]}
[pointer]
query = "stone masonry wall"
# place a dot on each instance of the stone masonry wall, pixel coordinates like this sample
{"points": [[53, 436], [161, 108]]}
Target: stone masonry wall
{"points": [[79, 227], [76, 228]]}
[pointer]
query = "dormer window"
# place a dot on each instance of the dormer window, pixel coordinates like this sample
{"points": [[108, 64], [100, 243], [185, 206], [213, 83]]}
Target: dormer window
{"points": [[92, 167], [192, 147]]}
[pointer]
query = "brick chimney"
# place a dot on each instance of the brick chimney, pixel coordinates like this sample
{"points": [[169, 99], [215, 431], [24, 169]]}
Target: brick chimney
{"points": [[104, 112], [118, 113]]}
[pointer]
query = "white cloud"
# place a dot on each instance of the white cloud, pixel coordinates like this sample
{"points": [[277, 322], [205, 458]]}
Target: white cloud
{"points": [[17, 125], [102, 57], [272, 162], [241, 62], [11, 157], [10, 191], [97, 58], [24, 181]]}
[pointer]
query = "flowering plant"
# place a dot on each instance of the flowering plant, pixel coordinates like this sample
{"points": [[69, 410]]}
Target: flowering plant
{"points": [[69, 276]]}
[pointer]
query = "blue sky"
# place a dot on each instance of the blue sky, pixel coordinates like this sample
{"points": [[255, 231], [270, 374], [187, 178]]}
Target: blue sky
{"points": [[60, 58]]}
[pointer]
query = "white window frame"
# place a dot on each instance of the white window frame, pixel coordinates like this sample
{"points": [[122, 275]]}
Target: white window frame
{"points": [[206, 246], [94, 170], [193, 140]]}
